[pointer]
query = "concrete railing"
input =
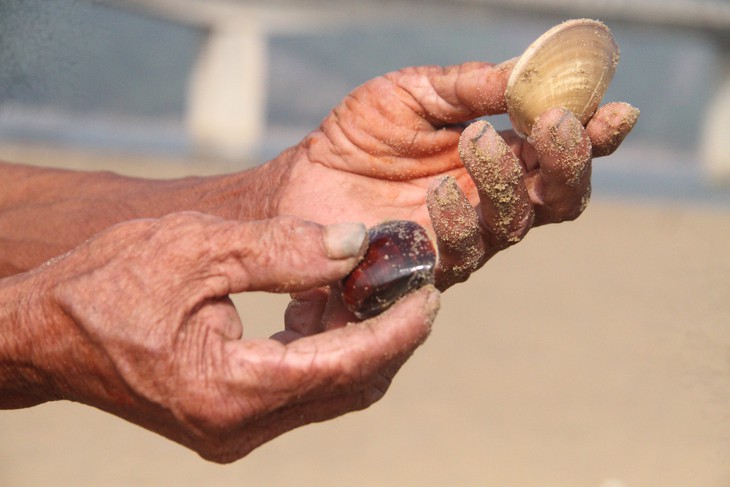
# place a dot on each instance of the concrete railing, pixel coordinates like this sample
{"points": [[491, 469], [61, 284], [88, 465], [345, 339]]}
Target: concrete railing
{"points": [[696, 14], [225, 112], [226, 103]]}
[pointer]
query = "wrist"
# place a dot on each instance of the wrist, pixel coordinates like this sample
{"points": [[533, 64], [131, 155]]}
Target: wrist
{"points": [[24, 381], [253, 194], [67, 207]]}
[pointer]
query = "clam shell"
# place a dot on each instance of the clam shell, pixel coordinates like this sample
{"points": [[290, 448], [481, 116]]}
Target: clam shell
{"points": [[569, 66]]}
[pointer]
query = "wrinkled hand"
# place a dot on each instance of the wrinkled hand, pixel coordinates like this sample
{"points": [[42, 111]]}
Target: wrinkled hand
{"points": [[396, 148], [143, 328]]}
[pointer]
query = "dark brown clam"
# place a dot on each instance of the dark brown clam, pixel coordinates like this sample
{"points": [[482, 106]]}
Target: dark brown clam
{"points": [[400, 258]]}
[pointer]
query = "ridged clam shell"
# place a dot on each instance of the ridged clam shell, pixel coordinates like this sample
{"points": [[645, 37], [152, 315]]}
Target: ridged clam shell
{"points": [[569, 66]]}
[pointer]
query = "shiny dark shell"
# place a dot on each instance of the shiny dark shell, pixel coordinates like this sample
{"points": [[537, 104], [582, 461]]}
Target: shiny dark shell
{"points": [[400, 258]]}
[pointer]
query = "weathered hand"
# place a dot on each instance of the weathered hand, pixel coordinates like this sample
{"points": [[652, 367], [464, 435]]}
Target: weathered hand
{"points": [[137, 321], [396, 139]]}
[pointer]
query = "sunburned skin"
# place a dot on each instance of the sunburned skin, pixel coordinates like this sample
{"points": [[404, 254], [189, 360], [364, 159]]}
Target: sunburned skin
{"points": [[498, 173], [458, 228], [136, 319], [607, 133]]}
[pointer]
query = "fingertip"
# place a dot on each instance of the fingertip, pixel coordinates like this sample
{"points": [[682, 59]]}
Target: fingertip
{"points": [[553, 116], [481, 86], [481, 142], [344, 240], [480, 147], [415, 314], [498, 175], [352, 354], [561, 188], [563, 147], [458, 233], [507, 65], [488, 88], [454, 220], [303, 314], [427, 299], [610, 126], [474, 131], [287, 254]]}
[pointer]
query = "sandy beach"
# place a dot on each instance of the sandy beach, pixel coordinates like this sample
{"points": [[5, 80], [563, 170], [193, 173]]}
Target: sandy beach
{"points": [[594, 353]]}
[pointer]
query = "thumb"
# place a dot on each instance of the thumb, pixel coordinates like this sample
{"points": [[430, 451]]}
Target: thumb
{"points": [[287, 254], [455, 94]]}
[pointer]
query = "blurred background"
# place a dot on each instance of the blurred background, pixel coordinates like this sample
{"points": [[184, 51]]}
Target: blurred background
{"points": [[595, 353]]}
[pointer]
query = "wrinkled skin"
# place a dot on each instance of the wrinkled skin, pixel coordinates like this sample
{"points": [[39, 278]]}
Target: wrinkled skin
{"points": [[175, 361], [137, 320], [395, 140]]}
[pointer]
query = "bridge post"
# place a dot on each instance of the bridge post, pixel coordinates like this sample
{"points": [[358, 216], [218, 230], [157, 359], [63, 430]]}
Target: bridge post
{"points": [[715, 143], [227, 91]]}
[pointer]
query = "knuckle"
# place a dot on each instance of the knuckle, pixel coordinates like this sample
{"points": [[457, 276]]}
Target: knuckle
{"points": [[287, 224], [287, 237], [501, 240], [181, 218], [222, 451], [209, 431], [184, 235], [459, 269], [578, 206], [510, 227]]}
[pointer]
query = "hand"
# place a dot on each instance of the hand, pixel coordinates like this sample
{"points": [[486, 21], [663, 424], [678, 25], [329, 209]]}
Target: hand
{"points": [[396, 139], [390, 150], [137, 321]]}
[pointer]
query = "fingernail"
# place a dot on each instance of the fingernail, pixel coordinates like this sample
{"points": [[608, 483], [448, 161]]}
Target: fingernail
{"points": [[474, 140], [344, 240], [445, 191], [567, 131], [565, 116], [484, 128]]}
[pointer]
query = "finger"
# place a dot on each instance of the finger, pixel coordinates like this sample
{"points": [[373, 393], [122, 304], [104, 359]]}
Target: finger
{"points": [[414, 119], [455, 94], [322, 376], [282, 255], [345, 359], [505, 207], [303, 315], [215, 314], [458, 233], [560, 187], [338, 361], [327, 313], [610, 126], [336, 314]]}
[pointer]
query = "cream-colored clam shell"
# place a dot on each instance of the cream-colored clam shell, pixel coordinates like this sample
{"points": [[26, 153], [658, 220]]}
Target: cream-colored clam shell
{"points": [[569, 66]]}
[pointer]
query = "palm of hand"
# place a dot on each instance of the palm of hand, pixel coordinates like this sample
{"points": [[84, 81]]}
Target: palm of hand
{"points": [[377, 152], [384, 151]]}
